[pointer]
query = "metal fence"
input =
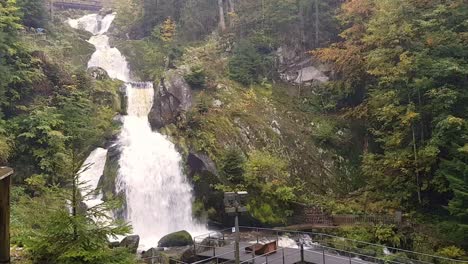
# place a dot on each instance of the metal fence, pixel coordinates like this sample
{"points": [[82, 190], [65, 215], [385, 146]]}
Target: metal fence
{"points": [[314, 247], [330, 246]]}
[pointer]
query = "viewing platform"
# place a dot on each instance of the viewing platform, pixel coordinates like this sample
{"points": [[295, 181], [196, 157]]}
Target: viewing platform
{"points": [[90, 5], [275, 246], [301, 247]]}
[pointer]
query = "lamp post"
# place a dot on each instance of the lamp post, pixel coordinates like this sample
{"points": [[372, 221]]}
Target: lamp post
{"points": [[235, 204], [5, 180]]}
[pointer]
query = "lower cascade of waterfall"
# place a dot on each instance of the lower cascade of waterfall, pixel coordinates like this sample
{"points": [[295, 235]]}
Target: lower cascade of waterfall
{"points": [[90, 173], [158, 196]]}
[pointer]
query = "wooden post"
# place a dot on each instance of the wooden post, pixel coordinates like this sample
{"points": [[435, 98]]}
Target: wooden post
{"points": [[5, 180], [302, 252], [323, 254]]}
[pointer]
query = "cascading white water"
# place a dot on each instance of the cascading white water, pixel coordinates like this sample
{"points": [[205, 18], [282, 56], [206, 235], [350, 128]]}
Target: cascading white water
{"points": [[158, 197], [90, 173]]}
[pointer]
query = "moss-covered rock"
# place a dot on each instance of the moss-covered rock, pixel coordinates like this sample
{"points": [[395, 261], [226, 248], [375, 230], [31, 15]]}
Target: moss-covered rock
{"points": [[176, 239]]}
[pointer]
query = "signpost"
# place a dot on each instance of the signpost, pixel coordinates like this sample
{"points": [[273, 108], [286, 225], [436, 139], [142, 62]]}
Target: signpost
{"points": [[235, 203], [5, 181]]}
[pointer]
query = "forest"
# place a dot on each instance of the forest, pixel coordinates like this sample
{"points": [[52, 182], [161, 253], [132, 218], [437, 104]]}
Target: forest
{"points": [[381, 126]]}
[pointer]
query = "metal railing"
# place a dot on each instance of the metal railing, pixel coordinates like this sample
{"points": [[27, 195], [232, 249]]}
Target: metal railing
{"points": [[333, 243], [282, 257]]}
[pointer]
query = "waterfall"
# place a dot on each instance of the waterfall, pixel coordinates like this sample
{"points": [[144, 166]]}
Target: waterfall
{"points": [[90, 173], [158, 197]]}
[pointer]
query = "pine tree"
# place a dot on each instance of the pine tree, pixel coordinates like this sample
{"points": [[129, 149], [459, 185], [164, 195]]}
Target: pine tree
{"points": [[63, 230]]}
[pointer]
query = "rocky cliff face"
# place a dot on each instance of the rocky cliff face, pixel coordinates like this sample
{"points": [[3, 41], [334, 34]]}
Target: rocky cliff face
{"points": [[172, 98], [299, 68]]}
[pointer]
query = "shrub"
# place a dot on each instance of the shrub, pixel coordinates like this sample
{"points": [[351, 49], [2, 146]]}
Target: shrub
{"points": [[232, 165], [196, 78], [243, 65], [452, 252]]}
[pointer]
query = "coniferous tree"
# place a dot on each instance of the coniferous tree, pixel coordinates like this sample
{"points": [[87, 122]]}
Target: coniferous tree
{"points": [[34, 13]]}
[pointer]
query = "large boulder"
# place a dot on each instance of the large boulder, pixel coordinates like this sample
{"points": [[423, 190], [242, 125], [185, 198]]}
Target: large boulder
{"points": [[172, 98], [198, 162], [98, 73], [131, 242], [176, 239], [297, 68], [151, 255]]}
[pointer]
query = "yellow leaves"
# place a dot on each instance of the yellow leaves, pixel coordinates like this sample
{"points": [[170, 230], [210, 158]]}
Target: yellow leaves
{"points": [[409, 118], [455, 121], [464, 149], [358, 8], [430, 41], [168, 30]]}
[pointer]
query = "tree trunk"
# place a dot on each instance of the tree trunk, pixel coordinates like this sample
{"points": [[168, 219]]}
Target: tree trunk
{"points": [[316, 24], [222, 22], [303, 27], [232, 8], [74, 196], [416, 165]]}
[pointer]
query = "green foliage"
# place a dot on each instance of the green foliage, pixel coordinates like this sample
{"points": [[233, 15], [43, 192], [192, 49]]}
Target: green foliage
{"points": [[243, 65], [232, 165], [288, 22], [267, 176], [40, 138], [196, 78], [54, 235], [198, 19], [34, 13], [401, 65], [5, 144], [452, 252], [146, 59], [388, 235]]}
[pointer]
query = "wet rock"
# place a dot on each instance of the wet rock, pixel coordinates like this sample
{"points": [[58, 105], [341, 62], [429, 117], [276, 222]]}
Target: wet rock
{"points": [[98, 73], [173, 97], [188, 256], [297, 68], [201, 163], [108, 180], [131, 242], [176, 239], [276, 127], [151, 254], [114, 244], [215, 240], [217, 103], [309, 74], [105, 11], [123, 99]]}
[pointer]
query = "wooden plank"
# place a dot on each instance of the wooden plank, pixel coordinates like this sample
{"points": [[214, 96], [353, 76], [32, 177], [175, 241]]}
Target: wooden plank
{"points": [[5, 172], [5, 181]]}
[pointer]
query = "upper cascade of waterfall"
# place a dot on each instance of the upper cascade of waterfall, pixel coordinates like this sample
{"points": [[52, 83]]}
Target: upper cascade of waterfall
{"points": [[94, 23], [105, 56]]}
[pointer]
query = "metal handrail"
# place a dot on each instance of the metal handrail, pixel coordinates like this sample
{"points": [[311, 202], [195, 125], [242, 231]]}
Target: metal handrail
{"points": [[215, 257], [357, 241], [359, 255], [322, 235], [269, 253], [168, 258]]}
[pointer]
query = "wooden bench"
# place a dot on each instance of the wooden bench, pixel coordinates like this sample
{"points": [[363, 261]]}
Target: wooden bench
{"points": [[262, 249]]}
